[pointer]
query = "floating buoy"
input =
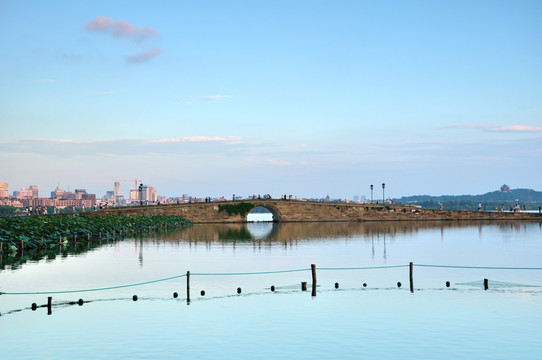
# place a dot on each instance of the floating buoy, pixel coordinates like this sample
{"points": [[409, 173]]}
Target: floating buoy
{"points": [[336, 285], [399, 284], [34, 306], [175, 295], [364, 284], [202, 292], [134, 297], [80, 302], [447, 284], [239, 290], [272, 287]]}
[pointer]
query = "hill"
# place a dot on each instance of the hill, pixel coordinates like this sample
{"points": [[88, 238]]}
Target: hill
{"points": [[528, 198]]}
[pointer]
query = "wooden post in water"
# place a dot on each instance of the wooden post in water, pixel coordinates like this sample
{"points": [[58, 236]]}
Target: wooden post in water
{"points": [[303, 286], [411, 277], [486, 284], [188, 287], [313, 270], [49, 305]]}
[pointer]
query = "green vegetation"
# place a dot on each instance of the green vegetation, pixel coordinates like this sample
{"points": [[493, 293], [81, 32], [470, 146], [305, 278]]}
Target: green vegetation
{"points": [[242, 208], [9, 210], [36, 232], [490, 201]]}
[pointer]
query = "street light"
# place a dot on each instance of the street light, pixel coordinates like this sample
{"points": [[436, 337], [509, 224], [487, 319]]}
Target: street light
{"points": [[371, 194], [383, 197]]}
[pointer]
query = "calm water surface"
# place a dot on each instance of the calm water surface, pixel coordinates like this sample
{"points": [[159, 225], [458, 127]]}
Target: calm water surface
{"points": [[377, 321]]}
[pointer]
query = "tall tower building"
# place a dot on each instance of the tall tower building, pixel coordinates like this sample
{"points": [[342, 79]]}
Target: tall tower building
{"points": [[4, 190], [134, 194], [116, 188]]}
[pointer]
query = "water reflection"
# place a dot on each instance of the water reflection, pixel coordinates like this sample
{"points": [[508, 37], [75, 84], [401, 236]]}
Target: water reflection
{"points": [[14, 260], [261, 230], [140, 252], [381, 236], [285, 232]]}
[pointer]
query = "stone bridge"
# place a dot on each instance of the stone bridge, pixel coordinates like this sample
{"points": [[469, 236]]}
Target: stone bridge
{"points": [[304, 211]]}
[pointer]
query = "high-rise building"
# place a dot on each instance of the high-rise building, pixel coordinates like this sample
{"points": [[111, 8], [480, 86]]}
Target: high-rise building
{"points": [[4, 193], [31, 192], [57, 194], [149, 194], [79, 193], [134, 194], [116, 189], [34, 190]]}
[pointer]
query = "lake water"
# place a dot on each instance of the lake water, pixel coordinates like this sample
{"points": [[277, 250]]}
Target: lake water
{"points": [[380, 320]]}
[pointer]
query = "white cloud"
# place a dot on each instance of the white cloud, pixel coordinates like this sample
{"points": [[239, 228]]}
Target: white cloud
{"points": [[69, 148], [228, 139], [166, 140], [57, 141], [494, 128], [278, 162]]}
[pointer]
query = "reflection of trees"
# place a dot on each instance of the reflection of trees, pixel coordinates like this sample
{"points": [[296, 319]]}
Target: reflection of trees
{"points": [[285, 232], [16, 259]]}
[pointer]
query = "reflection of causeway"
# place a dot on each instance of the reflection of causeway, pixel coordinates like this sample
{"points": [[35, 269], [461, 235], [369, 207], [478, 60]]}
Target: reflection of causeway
{"points": [[284, 232]]}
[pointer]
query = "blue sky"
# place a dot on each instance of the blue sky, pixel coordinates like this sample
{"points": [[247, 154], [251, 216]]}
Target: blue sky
{"points": [[307, 98]]}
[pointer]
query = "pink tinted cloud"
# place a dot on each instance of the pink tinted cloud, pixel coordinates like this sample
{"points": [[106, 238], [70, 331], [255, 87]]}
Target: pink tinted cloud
{"points": [[518, 128], [143, 56], [119, 28]]}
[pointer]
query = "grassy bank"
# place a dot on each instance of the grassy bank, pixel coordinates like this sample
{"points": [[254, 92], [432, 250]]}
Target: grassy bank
{"points": [[35, 232]]}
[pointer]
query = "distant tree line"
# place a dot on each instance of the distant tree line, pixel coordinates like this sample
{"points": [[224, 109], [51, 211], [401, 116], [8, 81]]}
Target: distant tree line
{"points": [[473, 205], [527, 198], [7, 210]]}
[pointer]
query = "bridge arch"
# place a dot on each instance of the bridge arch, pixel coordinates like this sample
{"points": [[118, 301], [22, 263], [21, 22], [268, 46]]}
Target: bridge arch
{"points": [[273, 210]]}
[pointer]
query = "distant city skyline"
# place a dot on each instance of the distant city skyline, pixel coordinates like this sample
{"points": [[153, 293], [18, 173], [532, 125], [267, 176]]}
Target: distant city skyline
{"points": [[307, 98], [131, 193]]}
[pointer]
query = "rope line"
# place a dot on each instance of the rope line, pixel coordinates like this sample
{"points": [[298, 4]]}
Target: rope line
{"points": [[94, 289], [364, 268], [265, 273], [250, 273], [479, 267]]}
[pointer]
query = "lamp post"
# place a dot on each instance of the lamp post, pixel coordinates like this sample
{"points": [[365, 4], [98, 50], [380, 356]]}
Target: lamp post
{"points": [[371, 194], [383, 197]]}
